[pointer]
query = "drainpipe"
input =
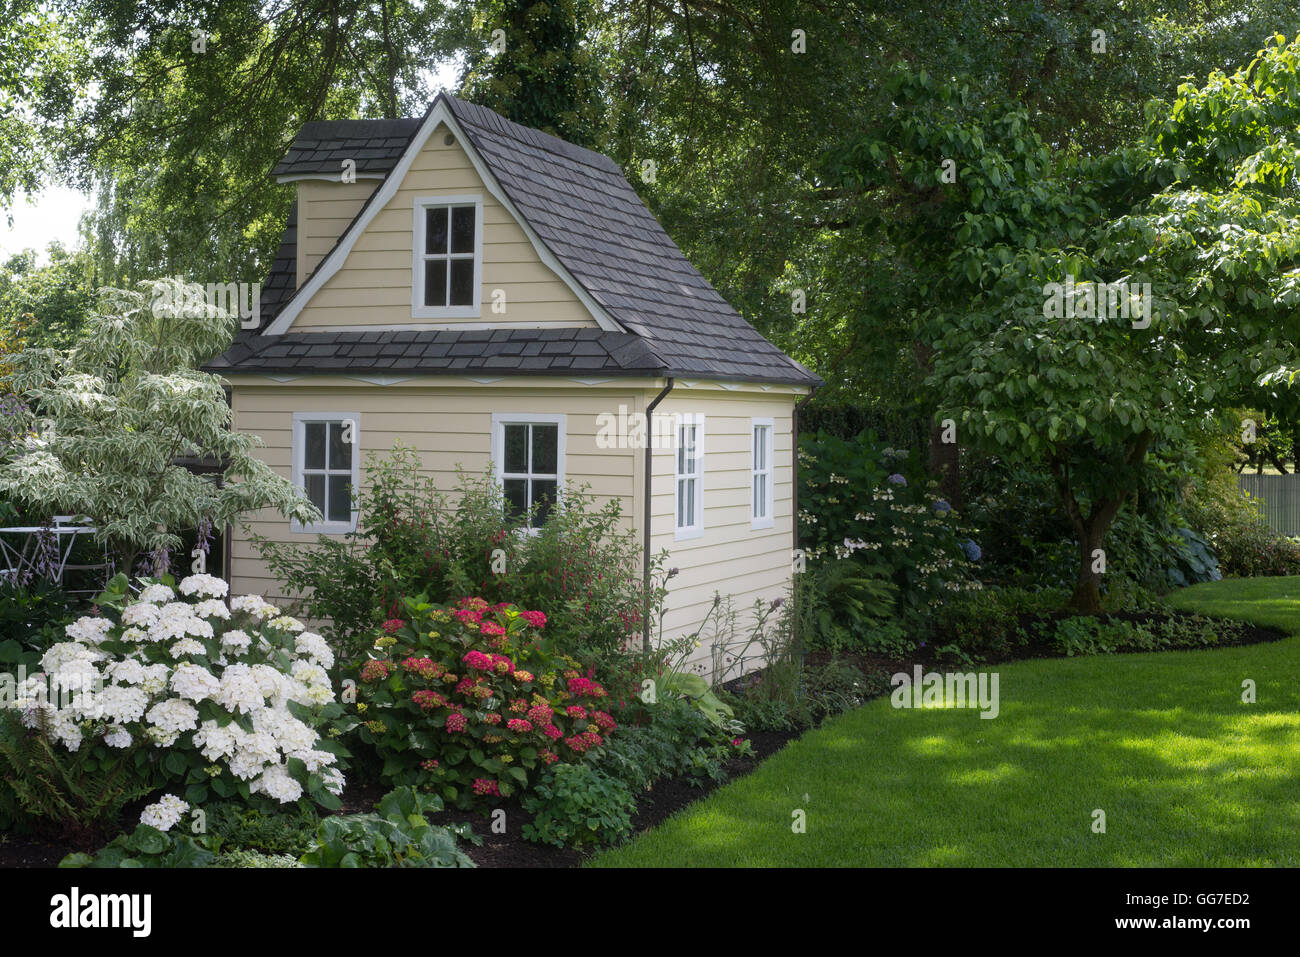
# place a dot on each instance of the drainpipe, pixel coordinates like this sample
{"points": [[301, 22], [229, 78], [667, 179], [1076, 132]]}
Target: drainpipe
{"points": [[645, 531]]}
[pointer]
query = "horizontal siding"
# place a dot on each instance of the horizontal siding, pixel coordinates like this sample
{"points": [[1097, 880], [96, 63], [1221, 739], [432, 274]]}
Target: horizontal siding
{"points": [[324, 210], [373, 287], [731, 557], [447, 427]]}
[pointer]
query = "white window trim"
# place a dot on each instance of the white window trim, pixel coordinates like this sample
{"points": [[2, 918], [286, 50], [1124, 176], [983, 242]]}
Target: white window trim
{"points": [[300, 420], [769, 520], [418, 309], [501, 419], [696, 528]]}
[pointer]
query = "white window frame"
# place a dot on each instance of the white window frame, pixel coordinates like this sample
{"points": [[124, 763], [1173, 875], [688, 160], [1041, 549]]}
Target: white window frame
{"points": [[300, 421], [766, 520], [418, 309], [696, 527], [499, 422]]}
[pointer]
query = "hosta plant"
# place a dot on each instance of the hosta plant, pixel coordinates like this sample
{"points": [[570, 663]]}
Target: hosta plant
{"points": [[471, 702], [197, 695]]}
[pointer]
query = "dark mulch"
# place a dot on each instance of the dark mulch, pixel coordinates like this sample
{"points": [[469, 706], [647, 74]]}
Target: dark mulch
{"points": [[19, 851]]}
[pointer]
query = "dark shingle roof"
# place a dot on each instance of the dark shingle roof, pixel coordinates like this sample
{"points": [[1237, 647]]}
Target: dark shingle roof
{"points": [[583, 208], [512, 351], [322, 146]]}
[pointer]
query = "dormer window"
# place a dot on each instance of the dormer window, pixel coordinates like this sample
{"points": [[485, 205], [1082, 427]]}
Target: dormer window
{"points": [[448, 257]]}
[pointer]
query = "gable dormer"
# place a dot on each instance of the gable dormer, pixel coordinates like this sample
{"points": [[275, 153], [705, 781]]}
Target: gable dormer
{"points": [[430, 243]]}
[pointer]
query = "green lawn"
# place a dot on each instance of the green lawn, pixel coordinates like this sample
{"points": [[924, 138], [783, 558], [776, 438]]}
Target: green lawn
{"points": [[1186, 773]]}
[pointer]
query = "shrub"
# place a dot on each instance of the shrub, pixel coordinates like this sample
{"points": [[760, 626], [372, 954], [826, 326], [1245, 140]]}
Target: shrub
{"points": [[471, 701], [582, 566], [181, 690], [235, 826], [985, 624], [33, 615], [664, 746], [1235, 527], [398, 834], [856, 501], [576, 804], [848, 606], [1084, 635], [146, 846]]}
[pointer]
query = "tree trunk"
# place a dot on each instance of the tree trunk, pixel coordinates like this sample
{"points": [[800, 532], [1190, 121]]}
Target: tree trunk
{"points": [[944, 465], [1092, 528], [1086, 599]]}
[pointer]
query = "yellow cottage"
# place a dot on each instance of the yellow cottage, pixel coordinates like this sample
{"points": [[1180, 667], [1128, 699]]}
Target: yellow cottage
{"points": [[485, 293]]}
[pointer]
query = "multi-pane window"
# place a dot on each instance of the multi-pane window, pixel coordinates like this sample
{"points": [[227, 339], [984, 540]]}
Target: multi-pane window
{"points": [[447, 255], [761, 485], [325, 466], [689, 476], [529, 455]]}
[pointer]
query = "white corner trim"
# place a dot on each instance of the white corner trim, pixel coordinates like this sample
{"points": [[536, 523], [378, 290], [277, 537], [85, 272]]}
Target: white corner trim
{"points": [[334, 260]]}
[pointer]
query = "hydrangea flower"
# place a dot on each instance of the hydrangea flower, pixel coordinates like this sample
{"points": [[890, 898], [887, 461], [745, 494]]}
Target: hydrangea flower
{"points": [[165, 814], [204, 586]]}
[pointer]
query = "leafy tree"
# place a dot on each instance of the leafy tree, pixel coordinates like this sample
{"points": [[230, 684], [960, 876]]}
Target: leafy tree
{"points": [[1204, 209], [545, 74], [116, 411], [50, 301]]}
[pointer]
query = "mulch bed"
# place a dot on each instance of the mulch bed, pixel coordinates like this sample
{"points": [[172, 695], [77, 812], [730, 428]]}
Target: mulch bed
{"points": [[663, 799]]}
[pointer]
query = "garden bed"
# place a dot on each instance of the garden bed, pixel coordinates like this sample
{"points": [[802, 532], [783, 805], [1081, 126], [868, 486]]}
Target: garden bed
{"points": [[664, 799], [1250, 633], [510, 849]]}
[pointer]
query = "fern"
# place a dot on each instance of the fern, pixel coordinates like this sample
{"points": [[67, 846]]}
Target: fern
{"points": [[73, 794]]}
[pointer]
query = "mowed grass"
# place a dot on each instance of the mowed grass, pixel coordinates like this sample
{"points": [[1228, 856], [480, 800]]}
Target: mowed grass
{"points": [[1185, 771]]}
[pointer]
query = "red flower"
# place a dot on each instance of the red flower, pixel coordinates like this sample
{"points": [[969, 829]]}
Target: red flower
{"points": [[392, 625]]}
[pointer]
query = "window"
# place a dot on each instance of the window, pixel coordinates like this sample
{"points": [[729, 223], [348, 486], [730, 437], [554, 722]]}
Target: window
{"points": [[448, 244], [326, 461], [689, 475], [761, 485], [528, 455]]}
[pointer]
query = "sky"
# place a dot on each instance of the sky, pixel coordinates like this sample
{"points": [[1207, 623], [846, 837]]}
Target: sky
{"points": [[51, 214]]}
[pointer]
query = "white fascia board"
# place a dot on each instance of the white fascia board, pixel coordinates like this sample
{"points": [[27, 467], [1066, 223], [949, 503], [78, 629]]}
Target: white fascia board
{"points": [[440, 114]]}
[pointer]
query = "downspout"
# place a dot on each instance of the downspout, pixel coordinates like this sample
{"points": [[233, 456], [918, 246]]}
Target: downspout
{"points": [[645, 531]]}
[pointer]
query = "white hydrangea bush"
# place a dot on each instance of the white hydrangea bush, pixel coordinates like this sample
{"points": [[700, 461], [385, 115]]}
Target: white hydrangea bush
{"points": [[227, 698]]}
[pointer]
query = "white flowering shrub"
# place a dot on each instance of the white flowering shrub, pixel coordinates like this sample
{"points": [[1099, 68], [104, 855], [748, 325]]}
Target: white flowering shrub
{"points": [[200, 695]]}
